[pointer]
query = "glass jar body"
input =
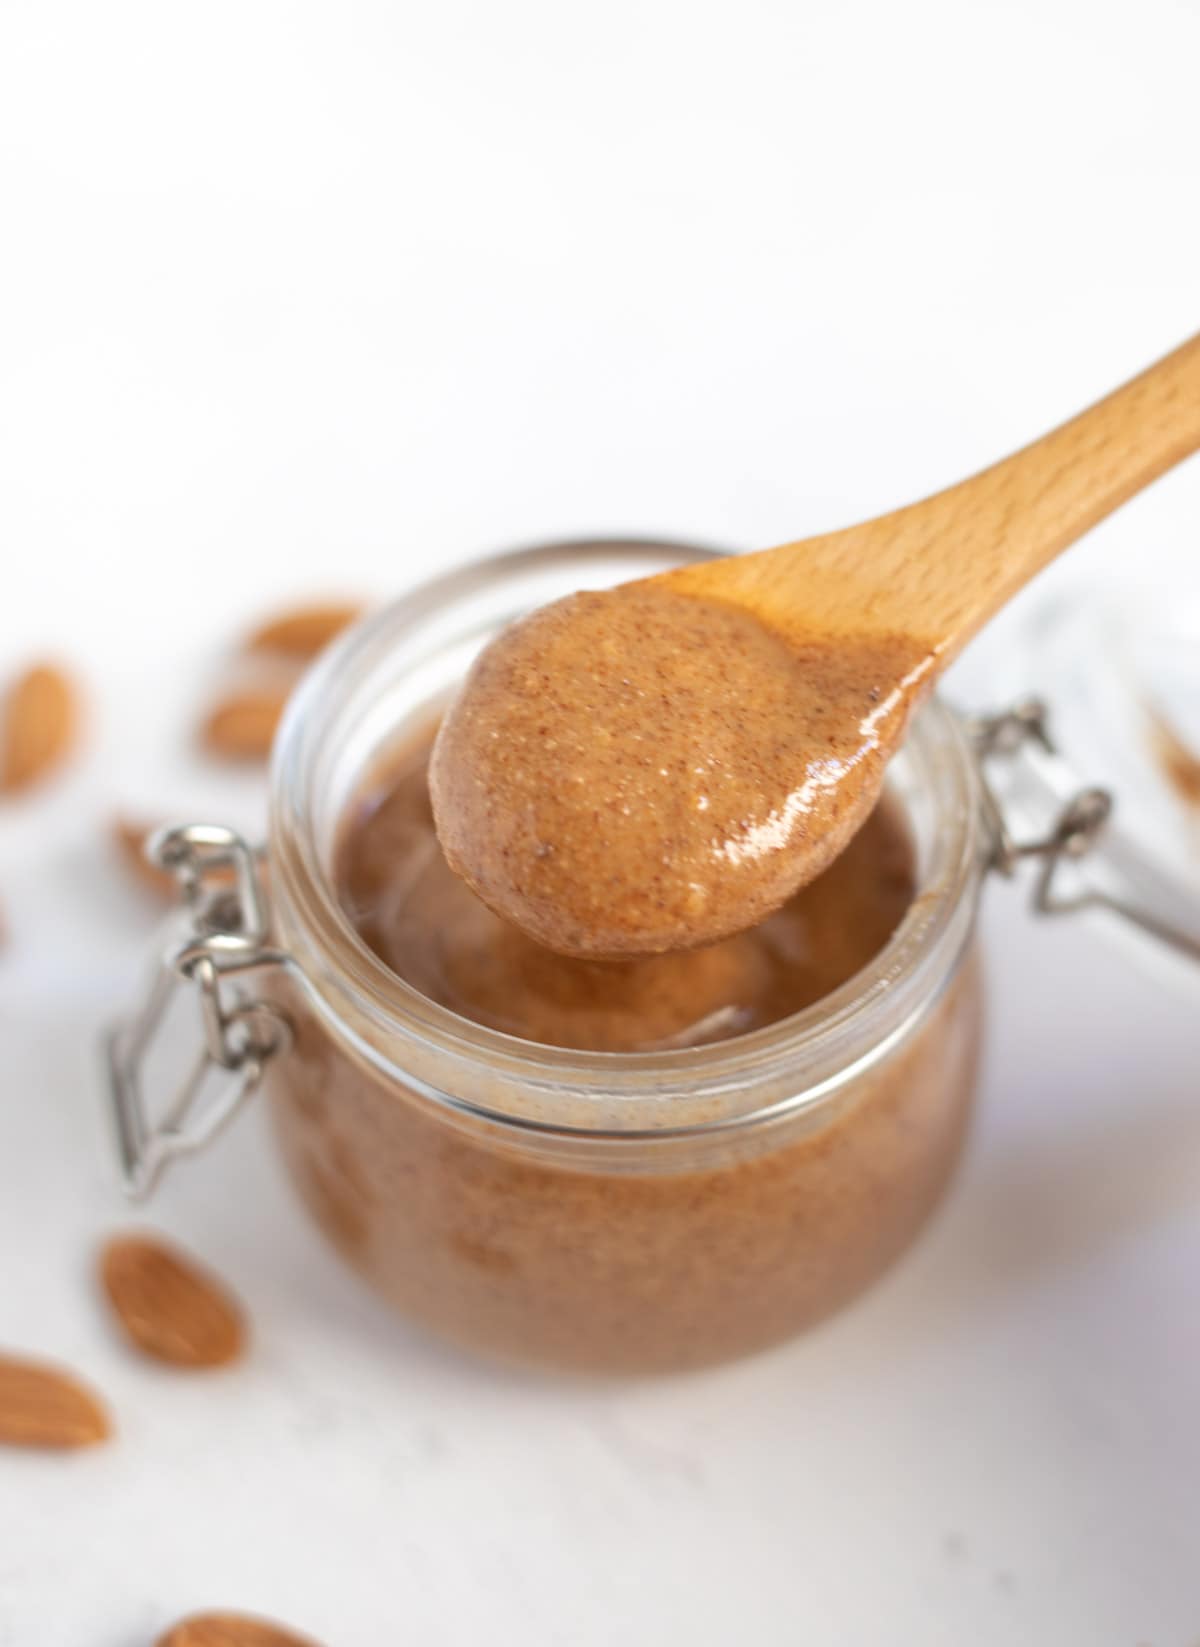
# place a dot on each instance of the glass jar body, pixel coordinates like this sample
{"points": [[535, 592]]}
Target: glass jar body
{"points": [[651, 1256], [605, 1212]]}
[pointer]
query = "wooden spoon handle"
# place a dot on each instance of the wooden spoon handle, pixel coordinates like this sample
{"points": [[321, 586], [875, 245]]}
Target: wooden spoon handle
{"points": [[935, 571], [1000, 527]]}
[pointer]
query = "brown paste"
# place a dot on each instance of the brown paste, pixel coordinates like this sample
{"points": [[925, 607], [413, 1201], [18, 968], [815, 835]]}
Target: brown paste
{"points": [[433, 932], [626, 1255], [638, 1258], [638, 771]]}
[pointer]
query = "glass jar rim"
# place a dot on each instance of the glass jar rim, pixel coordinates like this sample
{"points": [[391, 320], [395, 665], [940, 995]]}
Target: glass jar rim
{"points": [[792, 1065]]}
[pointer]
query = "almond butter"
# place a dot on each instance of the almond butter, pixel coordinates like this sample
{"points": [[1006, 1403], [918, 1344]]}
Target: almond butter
{"points": [[43, 1406], [242, 726], [303, 631], [168, 1306], [38, 724], [230, 1630]]}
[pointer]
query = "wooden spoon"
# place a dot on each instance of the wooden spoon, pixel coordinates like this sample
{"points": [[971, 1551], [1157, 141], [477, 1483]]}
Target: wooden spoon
{"points": [[656, 766]]}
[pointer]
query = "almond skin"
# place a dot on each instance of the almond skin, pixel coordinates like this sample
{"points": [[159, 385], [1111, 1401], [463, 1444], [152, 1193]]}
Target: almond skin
{"points": [[230, 1630], [242, 726], [43, 1406], [168, 1306], [303, 631], [38, 725]]}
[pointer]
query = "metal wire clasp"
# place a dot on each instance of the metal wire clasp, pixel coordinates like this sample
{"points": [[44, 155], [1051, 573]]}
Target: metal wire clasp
{"points": [[1114, 878], [224, 938], [1072, 834]]}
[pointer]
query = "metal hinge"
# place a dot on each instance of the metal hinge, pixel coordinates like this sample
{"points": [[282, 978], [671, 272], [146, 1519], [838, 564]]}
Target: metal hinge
{"points": [[1122, 886], [224, 940], [1075, 830]]}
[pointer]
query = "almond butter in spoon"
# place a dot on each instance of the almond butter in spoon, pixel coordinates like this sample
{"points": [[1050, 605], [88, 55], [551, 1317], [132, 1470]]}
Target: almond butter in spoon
{"points": [[657, 766]]}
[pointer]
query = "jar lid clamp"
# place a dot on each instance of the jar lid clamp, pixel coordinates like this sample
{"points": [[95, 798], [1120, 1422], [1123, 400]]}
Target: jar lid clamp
{"points": [[225, 937], [1022, 773]]}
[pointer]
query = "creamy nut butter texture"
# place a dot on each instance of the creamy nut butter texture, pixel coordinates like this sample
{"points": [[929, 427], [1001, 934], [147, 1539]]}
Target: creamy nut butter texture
{"points": [[635, 1256], [637, 771], [434, 933]]}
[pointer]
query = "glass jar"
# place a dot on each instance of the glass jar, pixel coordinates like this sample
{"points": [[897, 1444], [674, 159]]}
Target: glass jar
{"points": [[616, 1212]]}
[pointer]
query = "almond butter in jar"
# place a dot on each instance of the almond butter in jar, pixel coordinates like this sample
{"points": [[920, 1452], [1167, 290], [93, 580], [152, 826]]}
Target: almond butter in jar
{"points": [[635, 1210]]}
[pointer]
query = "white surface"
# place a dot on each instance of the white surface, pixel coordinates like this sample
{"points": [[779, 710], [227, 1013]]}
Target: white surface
{"points": [[298, 297]]}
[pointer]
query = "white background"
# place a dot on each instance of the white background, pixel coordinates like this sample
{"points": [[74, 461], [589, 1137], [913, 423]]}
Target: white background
{"points": [[300, 298]]}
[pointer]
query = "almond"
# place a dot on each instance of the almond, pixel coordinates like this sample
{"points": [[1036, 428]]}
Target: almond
{"points": [[303, 631], [42, 1406], [242, 726], [130, 839], [230, 1630], [168, 1306], [38, 721], [1179, 760]]}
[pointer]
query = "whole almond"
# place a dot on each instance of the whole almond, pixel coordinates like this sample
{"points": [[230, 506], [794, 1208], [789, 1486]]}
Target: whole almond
{"points": [[38, 722], [1178, 759], [130, 840], [242, 726], [303, 631], [168, 1306], [43, 1406], [230, 1630]]}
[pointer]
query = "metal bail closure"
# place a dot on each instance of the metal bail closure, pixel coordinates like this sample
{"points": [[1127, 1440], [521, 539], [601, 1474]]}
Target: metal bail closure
{"points": [[224, 938], [1072, 833], [1079, 828]]}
